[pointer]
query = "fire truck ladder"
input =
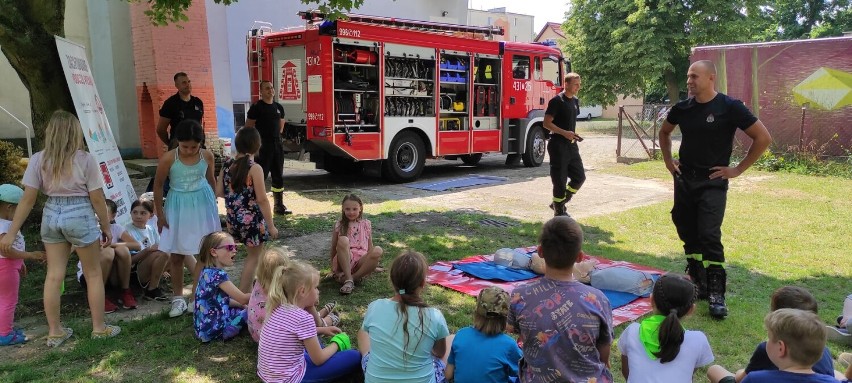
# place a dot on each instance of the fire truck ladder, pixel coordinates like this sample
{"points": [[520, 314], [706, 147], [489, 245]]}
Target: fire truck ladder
{"points": [[419, 25], [255, 53]]}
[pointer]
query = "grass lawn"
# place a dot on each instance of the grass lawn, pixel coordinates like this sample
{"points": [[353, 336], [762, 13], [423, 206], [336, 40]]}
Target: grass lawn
{"points": [[780, 229]]}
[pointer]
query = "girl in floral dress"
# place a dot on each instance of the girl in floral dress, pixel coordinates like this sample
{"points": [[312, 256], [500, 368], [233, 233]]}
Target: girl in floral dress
{"points": [[249, 220], [219, 305]]}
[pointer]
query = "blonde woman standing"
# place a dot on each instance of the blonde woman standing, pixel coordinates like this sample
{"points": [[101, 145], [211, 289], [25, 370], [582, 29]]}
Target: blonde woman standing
{"points": [[71, 179]]}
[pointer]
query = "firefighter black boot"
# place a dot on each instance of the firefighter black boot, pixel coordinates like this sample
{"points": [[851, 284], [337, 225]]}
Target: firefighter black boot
{"points": [[696, 271], [716, 280], [559, 208], [279, 207]]}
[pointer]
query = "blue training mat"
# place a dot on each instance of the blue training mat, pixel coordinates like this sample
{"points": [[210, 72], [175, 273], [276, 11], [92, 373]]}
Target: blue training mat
{"points": [[489, 271], [471, 180]]}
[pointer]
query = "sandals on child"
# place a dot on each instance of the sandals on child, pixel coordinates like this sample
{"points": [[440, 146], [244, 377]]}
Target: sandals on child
{"points": [[328, 307], [56, 340], [334, 317], [347, 287]]}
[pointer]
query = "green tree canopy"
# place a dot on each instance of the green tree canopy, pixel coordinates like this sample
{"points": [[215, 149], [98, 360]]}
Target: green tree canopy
{"points": [[632, 47]]}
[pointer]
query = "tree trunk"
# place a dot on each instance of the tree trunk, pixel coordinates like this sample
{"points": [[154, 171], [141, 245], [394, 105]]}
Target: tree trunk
{"points": [[26, 39], [671, 87]]}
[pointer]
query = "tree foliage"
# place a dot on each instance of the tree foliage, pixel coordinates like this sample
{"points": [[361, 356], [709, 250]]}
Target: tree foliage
{"points": [[632, 47], [624, 46]]}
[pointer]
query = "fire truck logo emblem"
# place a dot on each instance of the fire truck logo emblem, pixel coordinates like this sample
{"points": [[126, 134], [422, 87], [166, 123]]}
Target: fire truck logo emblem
{"points": [[710, 119], [290, 87]]}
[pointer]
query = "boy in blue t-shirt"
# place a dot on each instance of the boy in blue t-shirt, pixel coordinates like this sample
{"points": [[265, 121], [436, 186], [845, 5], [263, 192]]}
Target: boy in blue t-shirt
{"points": [[796, 342], [483, 353]]}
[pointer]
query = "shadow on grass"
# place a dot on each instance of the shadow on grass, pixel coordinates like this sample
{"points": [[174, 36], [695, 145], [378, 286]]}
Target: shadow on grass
{"points": [[162, 349]]}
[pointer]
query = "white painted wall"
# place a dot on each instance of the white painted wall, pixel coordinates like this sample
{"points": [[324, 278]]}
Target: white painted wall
{"points": [[111, 57], [283, 13], [220, 67]]}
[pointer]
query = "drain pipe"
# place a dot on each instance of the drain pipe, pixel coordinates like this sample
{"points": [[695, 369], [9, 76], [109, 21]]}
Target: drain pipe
{"points": [[27, 128]]}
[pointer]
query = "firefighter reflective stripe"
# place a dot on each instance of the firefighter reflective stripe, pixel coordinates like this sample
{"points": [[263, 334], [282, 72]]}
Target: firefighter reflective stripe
{"points": [[558, 200], [714, 263], [697, 257], [571, 190], [277, 190], [488, 72]]}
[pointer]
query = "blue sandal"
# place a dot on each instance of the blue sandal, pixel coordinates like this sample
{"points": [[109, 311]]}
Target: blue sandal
{"points": [[13, 338]]}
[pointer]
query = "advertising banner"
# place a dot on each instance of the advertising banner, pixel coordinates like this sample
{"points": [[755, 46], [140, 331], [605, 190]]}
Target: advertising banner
{"points": [[93, 119]]}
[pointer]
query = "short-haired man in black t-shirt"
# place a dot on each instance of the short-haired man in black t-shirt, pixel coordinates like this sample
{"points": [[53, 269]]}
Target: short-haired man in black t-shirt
{"points": [[560, 119], [180, 106], [268, 117], [708, 121]]}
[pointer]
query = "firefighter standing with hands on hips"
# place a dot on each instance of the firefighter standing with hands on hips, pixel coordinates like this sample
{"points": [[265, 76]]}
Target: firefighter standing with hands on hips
{"points": [[268, 117], [708, 121]]}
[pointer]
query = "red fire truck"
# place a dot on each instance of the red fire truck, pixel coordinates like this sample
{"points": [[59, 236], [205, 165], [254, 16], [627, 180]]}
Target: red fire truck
{"points": [[381, 95]]}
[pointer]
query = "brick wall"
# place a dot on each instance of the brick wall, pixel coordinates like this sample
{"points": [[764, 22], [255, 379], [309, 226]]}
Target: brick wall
{"points": [[159, 53]]}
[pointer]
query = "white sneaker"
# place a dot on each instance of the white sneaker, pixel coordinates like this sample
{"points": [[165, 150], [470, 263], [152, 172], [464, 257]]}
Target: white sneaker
{"points": [[178, 307]]}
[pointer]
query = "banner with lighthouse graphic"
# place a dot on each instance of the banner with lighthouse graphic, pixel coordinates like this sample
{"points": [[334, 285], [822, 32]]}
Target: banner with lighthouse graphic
{"points": [[290, 81]]}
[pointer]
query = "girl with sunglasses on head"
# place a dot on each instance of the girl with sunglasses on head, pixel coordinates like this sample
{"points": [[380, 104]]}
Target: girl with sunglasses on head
{"points": [[219, 304]]}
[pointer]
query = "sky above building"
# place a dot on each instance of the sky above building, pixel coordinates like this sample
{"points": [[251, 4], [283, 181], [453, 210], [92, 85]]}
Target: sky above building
{"points": [[544, 11]]}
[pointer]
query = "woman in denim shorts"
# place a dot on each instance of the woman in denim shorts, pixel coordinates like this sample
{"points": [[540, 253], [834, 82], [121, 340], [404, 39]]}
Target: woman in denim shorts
{"points": [[70, 177]]}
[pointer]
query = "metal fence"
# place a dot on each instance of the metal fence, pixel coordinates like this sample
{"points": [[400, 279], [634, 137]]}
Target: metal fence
{"points": [[637, 131]]}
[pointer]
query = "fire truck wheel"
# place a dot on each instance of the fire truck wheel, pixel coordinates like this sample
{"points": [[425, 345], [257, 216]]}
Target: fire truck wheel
{"points": [[406, 158], [535, 148], [471, 159]]}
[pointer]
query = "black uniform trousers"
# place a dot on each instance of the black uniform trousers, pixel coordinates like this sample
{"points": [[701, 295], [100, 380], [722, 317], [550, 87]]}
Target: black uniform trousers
{"points": [[698, 212], [565, 163], [271, 160]]}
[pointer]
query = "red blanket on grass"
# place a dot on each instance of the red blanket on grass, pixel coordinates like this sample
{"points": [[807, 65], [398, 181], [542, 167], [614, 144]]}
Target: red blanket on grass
{"points": [[443, 274]]}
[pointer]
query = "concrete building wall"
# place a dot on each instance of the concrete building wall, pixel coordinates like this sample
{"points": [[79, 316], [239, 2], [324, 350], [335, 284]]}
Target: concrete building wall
{"points": [[518, 27]]}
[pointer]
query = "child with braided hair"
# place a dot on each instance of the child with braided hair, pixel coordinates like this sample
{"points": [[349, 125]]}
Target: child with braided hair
{"points": [[659, 349], [289, 349]]}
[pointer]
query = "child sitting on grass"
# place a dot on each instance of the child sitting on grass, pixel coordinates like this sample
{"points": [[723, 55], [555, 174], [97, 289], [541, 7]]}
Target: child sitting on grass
{"points": [[115, 265], [796, 342], [483, 352], [326, 319], [219, 304], [289, 349], [565, 326], [792, 297], [659, 348]]}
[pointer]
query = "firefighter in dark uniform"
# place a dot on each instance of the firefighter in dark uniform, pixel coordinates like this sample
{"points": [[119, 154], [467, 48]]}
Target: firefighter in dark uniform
{"points": [[180, 106], [268, 117], [560, 119], [708, 121]]}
